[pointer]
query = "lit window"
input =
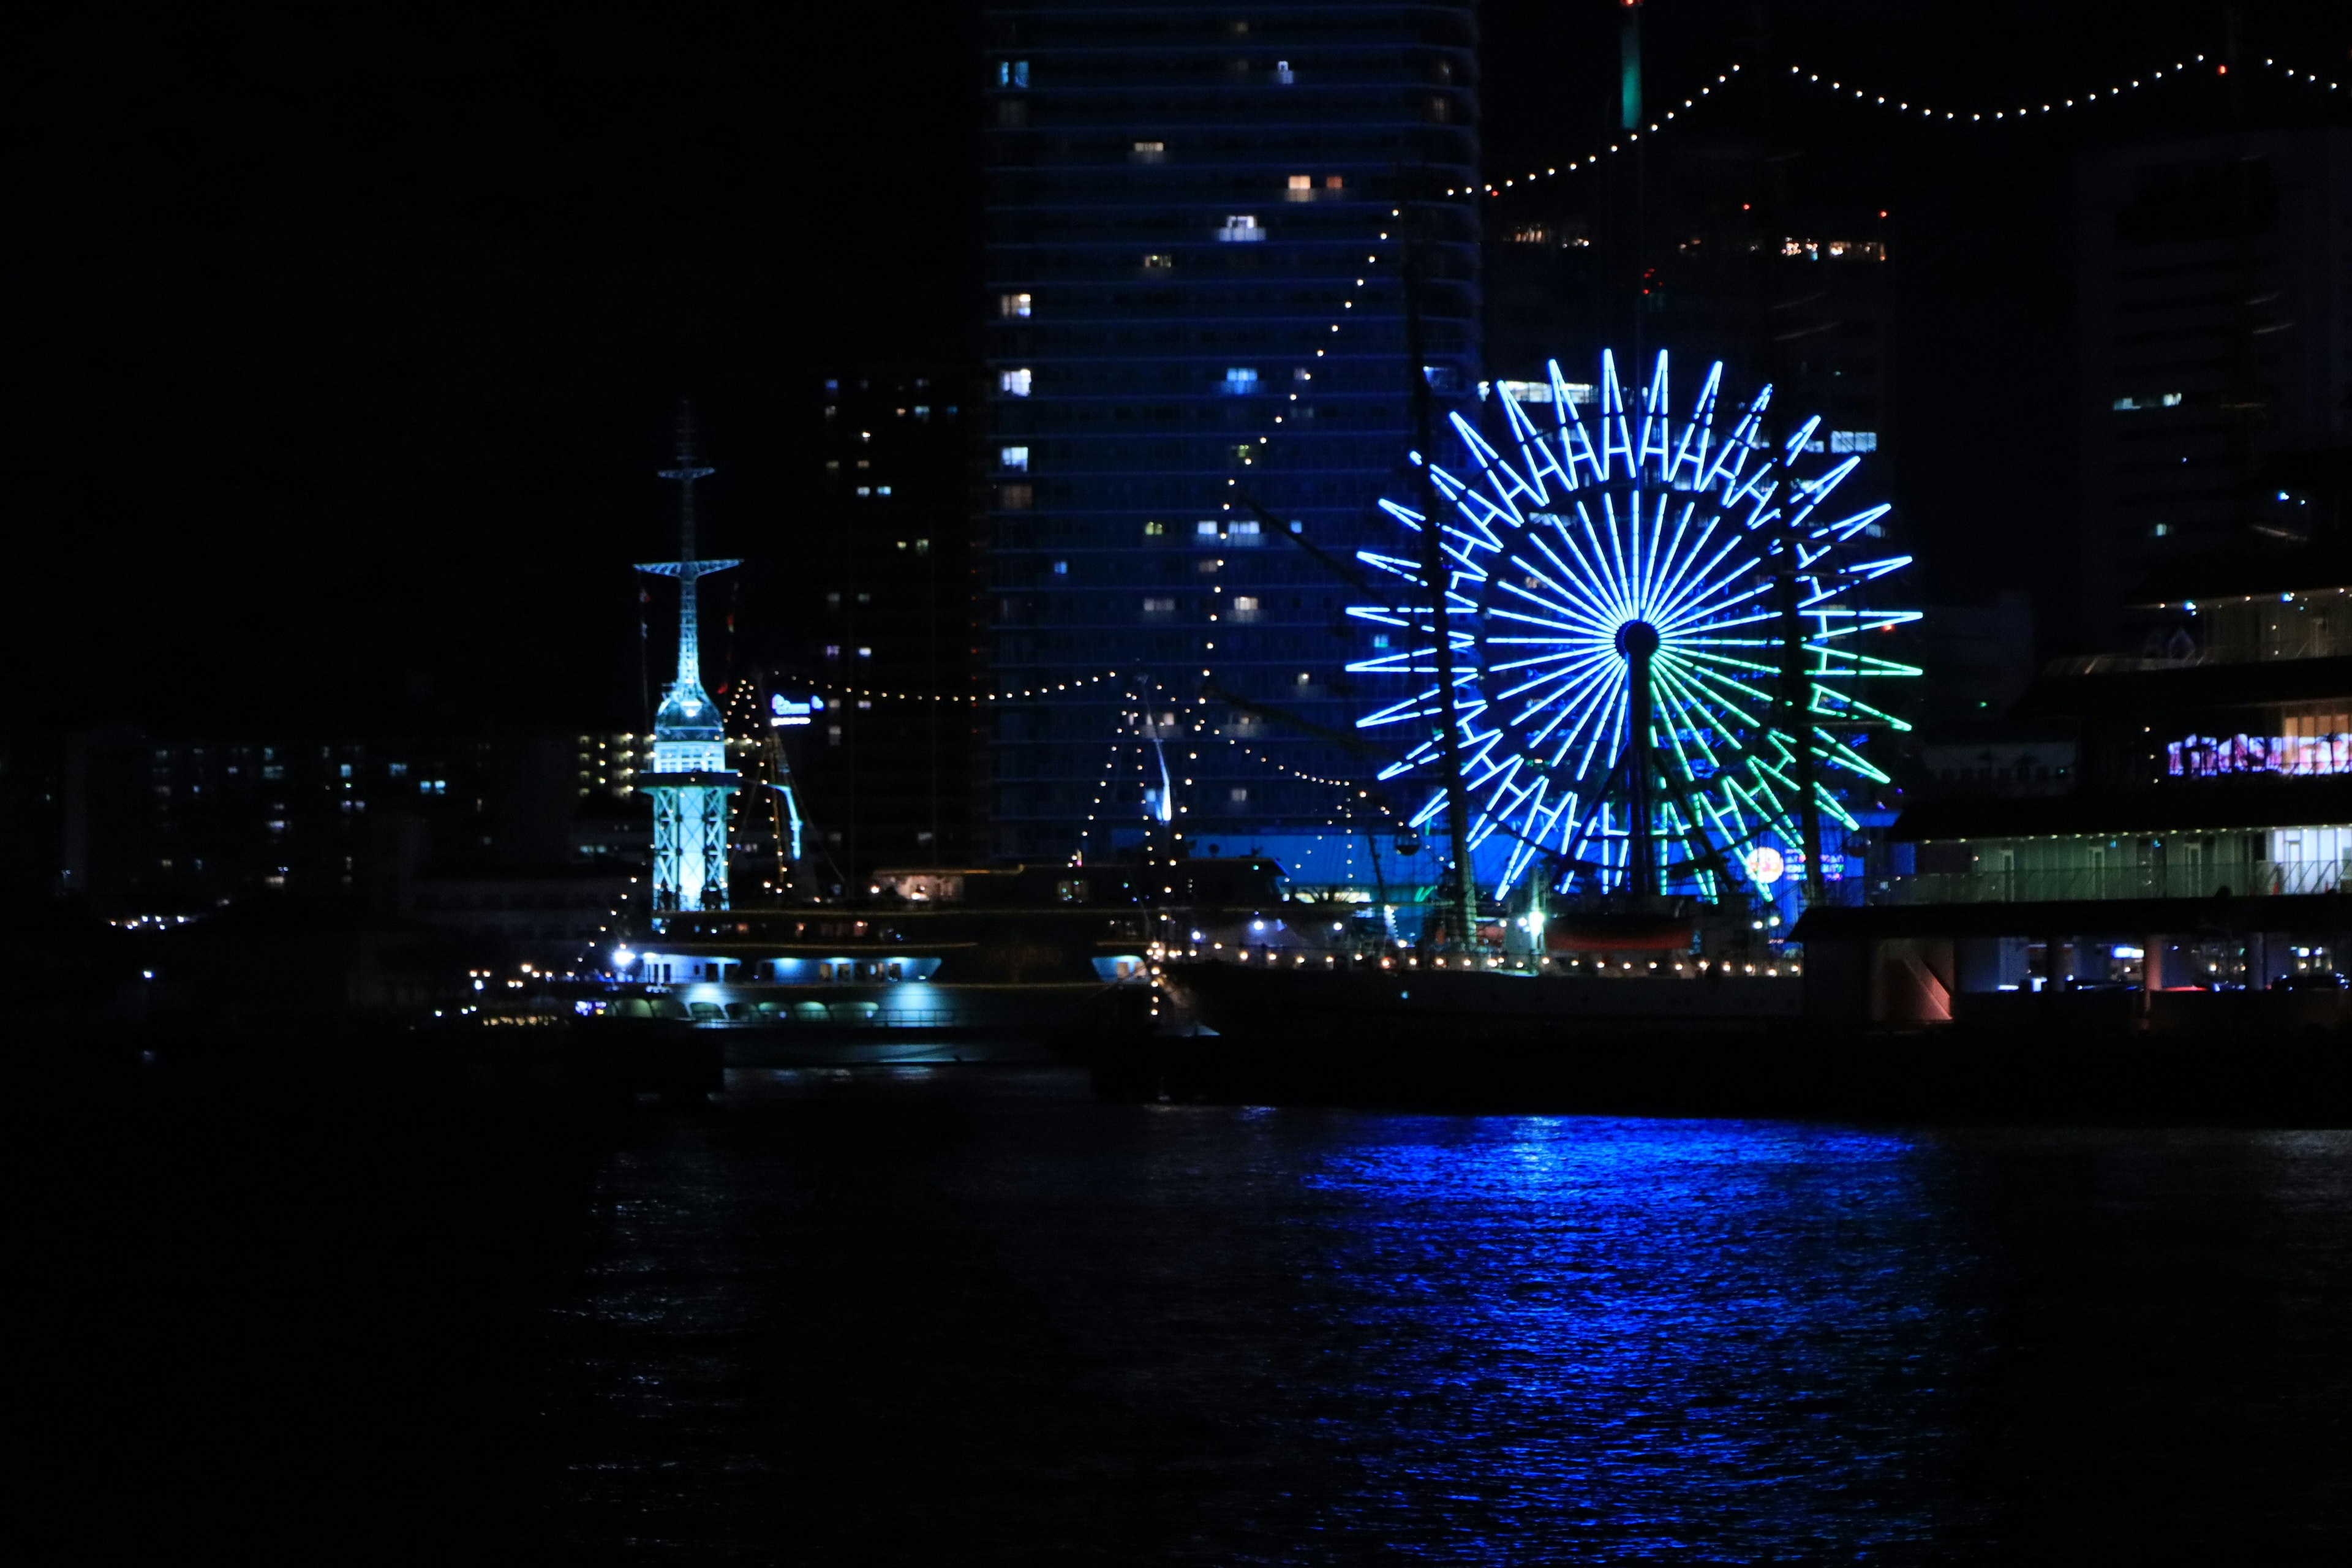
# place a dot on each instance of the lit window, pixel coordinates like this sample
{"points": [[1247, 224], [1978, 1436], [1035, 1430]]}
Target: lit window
{"points": [[1157, 263], [1241, 227], [1205, 530], [1301, 189], [922, 547], [865, 489], [1015, 382], [1379, 639], [1243, 532], [1061, 568], [1244, 608], [1283, 73], [1013, 458], [1154, 529], [922, 412], [1853, 440], [1012, 73], [1241, 379], [832, 653], [396, 770], [832, 738], [868, 653], [1335, 182], [1015, 306], [1150, 152], [1238, 795], [882, 490], [1160, 607], [1017, 498], [1305, 679]]}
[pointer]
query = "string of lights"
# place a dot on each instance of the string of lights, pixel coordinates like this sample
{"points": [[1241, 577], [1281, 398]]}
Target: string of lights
{"points": [[2059, 105], [1127, 719], [1305, 373], [612, 919], [871, 693], [1579, 165], [1897, 102]]}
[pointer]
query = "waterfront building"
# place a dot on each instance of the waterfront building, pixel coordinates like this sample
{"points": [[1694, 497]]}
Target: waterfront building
{"points": [[1198, 384], [2177, 820], [880, 611], [164, 826], [2215, 357]]}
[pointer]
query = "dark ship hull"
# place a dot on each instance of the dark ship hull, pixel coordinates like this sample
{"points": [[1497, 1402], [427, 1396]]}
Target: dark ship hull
{"points": [[1495, 1041]]}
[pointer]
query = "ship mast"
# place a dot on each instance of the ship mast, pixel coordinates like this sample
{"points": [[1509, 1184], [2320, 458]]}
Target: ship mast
{"points": [[1462, 895]]}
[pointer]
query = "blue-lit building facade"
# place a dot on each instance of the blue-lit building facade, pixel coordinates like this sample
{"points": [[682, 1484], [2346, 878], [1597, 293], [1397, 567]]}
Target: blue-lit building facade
{"points": [[1198, 388]]}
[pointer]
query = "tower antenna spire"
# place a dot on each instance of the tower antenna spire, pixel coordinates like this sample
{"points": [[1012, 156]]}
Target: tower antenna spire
{"points": [[690, 781]]}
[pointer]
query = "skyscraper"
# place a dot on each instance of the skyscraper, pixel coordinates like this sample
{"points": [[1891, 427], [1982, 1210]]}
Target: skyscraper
{"points": [[2216, 360], [1201, 221]]}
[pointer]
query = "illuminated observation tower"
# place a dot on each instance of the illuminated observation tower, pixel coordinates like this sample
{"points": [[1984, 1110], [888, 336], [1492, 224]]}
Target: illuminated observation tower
{"points": [[690, 781]]}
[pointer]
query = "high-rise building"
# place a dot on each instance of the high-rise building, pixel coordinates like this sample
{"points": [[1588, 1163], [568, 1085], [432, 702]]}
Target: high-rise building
{"points": [[881, 606], [1704, 249], [1200, 223], [2215, 360]]}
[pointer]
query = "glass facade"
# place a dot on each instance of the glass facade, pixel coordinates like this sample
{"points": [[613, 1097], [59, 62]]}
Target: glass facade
{"points": [[1198, 388]]}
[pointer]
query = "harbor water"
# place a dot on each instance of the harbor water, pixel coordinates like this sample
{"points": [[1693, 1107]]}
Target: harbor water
{"points": [[973, 1315]]}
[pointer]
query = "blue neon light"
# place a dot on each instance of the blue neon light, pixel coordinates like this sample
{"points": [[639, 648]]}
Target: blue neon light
{"points": [[1637, 514]]}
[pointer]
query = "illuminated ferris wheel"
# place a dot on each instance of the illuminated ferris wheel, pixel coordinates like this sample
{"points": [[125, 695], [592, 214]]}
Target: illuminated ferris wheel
{"points": [[1658, 632]]}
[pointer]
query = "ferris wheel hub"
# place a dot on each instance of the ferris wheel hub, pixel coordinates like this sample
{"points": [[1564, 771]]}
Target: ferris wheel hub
{"points": [[1636, 639]]}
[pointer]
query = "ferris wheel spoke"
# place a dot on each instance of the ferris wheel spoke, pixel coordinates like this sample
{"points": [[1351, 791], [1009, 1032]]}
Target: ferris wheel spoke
{"points": [[1696, 702], [1691, 452], [1574, 688], [1563, 531], [1657, 421]]}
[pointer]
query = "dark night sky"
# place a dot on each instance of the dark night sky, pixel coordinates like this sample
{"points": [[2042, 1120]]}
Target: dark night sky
{"points": [[346, 353]]}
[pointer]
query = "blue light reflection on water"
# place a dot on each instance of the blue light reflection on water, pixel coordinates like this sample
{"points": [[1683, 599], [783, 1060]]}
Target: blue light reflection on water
{"points": [[1083, 1333], [1653, 1339]]}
